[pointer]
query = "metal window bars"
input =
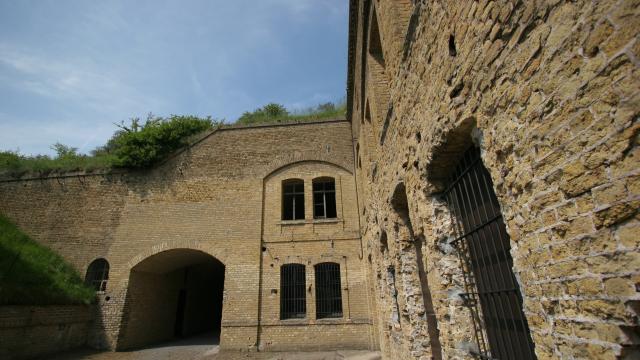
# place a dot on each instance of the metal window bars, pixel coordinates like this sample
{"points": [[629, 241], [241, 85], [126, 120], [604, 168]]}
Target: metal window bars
{"points": [[293, 301], [482, 243], [328, 291]]}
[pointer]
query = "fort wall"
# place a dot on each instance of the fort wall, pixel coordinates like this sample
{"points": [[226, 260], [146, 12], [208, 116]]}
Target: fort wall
{"points": [[548, 91], [221, 197], [36, 331]]}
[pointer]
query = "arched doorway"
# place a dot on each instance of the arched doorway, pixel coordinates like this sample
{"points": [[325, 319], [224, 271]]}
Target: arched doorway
{"points": [[173, 294]]}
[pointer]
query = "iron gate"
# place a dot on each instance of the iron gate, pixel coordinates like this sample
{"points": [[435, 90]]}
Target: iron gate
{"points": [[483, 246]]}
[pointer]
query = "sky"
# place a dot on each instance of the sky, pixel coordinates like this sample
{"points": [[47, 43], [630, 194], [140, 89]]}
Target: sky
{"points": [[71, 69]]}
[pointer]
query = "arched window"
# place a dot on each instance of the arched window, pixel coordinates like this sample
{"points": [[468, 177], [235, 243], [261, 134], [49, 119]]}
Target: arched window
{"points": [[328, 291], [293, 299], [484, 247], [293, 199], [98, 274], [324, 198]]}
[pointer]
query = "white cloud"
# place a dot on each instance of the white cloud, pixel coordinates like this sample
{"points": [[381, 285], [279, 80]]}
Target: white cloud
{"points": [[33, 138], [65, 79]]}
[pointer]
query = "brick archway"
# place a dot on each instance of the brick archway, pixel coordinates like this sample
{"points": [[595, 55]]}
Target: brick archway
{"points": [[172, 245], [172, 293]]}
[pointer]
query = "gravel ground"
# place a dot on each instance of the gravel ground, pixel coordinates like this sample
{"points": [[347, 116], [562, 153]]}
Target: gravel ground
{"points": [[205, 347], [200, 347]]}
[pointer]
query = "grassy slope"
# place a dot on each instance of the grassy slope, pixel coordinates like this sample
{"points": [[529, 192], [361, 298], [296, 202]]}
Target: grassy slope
{"points": [[31, 274]]}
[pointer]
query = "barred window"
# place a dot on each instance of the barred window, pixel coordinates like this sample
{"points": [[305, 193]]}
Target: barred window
{"points": [[328, 291], [293, 300], [293, 199], [324, 198], [492, 291], [97, 274]]}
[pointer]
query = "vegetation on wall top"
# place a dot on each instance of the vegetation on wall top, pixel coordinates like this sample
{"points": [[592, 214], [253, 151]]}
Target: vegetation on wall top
{"points": [[134, 146], [32, 274], [141, 145], [275, 113]]}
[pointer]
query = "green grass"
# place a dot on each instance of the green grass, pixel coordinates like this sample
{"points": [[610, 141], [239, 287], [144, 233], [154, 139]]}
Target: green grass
{"points": [[275, 113], [32, 274], [15, 165]]}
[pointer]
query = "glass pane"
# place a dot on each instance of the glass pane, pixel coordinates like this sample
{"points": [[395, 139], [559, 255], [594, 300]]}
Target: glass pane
{"points": [[299, 198], [330, 185], [331, 205], [287, 207]]}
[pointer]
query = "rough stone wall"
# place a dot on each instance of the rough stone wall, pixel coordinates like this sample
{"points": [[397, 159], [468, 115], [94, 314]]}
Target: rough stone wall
{"points": [[210, 198], [36, 331], [549, 91]]}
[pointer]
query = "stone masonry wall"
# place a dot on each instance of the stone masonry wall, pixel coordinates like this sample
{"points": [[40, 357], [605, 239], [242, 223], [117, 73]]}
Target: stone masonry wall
{"points": [[209, 198], [549, 91]]}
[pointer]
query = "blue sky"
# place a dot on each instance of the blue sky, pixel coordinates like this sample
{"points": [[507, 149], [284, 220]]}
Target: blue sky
{"points": [[69, 69]]}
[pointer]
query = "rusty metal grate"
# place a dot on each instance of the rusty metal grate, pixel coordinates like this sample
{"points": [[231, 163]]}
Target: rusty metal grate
{"points": [[483, 245], [328, 291], [293, 300]]}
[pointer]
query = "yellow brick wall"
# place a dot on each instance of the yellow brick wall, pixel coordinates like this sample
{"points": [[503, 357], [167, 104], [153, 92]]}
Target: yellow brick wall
{"points": [[40, 331], [217, 197]]}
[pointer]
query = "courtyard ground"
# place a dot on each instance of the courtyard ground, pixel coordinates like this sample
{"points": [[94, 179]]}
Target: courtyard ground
{"points": [[205, 347]]}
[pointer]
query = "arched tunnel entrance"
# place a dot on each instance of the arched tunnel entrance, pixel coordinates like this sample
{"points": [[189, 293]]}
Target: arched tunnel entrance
{"points": [[173, 294]]}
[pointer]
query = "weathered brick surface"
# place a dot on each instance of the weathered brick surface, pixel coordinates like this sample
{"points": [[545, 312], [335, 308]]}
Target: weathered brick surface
{"points": [[222, 196], [549, 91], [35, 331]]}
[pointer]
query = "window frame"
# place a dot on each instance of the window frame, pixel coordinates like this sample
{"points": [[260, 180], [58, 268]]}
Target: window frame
{"points": [[328, 282], [323, 193], [97, 275], [294, 194], [293, 295]]}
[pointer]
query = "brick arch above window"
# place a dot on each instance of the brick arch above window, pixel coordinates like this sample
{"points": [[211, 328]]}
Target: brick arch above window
{"points": [[280, 163]]}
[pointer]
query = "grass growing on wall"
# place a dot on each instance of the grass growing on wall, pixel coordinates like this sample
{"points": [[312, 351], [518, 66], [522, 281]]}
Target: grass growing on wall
{"points": [[15, 164], [275, 113], [133, 146], [32, 274], [144, 144]]}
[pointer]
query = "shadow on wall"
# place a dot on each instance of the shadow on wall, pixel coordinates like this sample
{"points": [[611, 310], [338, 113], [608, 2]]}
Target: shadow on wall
{"points": [[400, 205]]}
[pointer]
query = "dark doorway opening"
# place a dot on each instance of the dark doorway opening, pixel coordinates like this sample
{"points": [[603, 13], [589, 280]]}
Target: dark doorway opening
{"points": [[182, 299], [173, 294]]}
